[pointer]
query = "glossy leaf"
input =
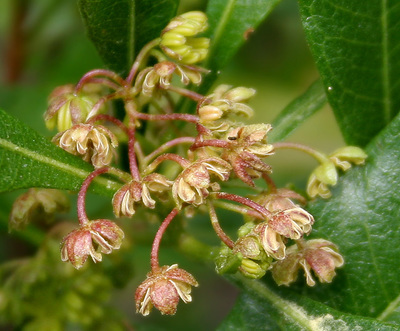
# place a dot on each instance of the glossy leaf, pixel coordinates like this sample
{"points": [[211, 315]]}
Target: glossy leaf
{"points": [[120, 28], [231, 23], [27, 159], [259, 308], [356, 48], [362, 217], [299, 110]]}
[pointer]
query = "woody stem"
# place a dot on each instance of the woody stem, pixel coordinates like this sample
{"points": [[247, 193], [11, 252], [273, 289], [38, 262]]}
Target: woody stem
{"points": [[157, 239], [217, 227], [81, 205]]}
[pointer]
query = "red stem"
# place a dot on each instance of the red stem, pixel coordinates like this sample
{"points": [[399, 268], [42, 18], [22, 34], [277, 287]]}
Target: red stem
{"points": [[168, 144], [109, 118], [211, 142], [98, 72], [157, 240], [167, 156], [217, 227], [81, 206], [133, 166], [184, 92], [245, 201], [168, 117]]}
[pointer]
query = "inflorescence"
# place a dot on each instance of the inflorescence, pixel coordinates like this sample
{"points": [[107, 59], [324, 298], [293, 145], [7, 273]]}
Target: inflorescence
{"points": [[222, 149]]}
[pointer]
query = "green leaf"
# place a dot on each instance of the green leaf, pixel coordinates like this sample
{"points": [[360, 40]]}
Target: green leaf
{"points": [[297, 112], [362, 218], [29, 160], [120, 28], [356, 48], [231, 21], [259, 308]]}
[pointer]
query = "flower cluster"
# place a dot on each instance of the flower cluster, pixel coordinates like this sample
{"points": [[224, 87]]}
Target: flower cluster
{"points": [[187, 173]]}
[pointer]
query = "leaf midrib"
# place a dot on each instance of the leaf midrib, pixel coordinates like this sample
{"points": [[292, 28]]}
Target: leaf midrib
{"points": [[387, 105], [80, 173]]}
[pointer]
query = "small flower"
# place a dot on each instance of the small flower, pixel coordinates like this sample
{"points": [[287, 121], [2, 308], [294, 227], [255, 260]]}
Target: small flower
{"points": [[67, 108], [126, 198], [94, 143], [93, 238], [224, 101], [323, 176], [191, 186], [161, 75], [255, 261], [343, 157], [279, 200], [272, 242], [247, 145], [178, 39], [32, 204], [163, 288], [319, 255]]}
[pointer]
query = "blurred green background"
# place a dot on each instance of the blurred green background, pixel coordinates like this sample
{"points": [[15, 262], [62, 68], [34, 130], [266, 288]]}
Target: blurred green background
{"points": [[43, 45]]}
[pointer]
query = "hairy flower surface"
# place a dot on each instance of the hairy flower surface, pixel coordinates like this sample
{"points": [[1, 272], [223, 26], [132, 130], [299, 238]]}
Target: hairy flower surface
{"points": [[178, 39], [129, 195], [92, 239], [162, 290], [191, 186], [94, 143], [317, 255], [247, 145]]}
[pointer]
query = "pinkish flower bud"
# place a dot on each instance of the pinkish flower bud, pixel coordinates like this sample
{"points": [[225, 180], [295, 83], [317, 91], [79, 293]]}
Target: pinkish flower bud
{"points": [[94, 143], [163, 288], [92, 239]]}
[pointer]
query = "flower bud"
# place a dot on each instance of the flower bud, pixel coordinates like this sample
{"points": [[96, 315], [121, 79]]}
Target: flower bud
{"points": [[32, 204], [324, 175], [163, 288], [178, 41], [343, 157], [226, 261], [67, 108]]}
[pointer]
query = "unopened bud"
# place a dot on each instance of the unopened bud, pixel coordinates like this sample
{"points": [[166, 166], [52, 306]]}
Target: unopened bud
{"points": [[343, 157]]}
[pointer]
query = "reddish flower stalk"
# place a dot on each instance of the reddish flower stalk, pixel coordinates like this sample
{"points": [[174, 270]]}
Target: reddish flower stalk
{"points": [[217, 227], [157, 239], [168, 156], [103, 81], [308, 150], [142, 54], [131, 150], [211, 143], [98, 72], [184, 92], [239, 209], [270, 183], [81, 206], [168, 117], [244, 201], [101, 102], [109, 118], [169, 144]]}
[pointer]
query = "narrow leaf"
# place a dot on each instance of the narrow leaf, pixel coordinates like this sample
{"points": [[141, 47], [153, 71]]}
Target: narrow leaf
{"points": [[259, 308], [297, 112], [231, 23], [362, 218], [356, 48], [29, 160], [120, 28]]}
